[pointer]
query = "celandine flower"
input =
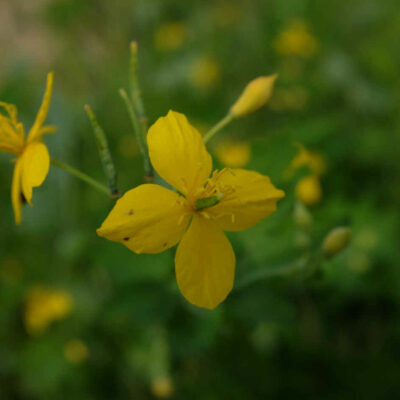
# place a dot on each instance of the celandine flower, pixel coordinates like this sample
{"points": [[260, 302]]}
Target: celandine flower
{"points": [[151, 218], [33, 161], [43, 306]]}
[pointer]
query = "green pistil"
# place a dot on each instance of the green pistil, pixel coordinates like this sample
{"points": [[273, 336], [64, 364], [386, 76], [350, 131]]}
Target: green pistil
{"points": [[200, 204]]}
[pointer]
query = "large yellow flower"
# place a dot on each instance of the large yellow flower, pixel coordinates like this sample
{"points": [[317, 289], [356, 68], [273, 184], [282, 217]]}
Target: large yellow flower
{"points": [[151, 218], [33, 161]]}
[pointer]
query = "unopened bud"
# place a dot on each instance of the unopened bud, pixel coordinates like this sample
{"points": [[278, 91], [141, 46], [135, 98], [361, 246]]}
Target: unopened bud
{"points": [[336, 240], [254, 96]]}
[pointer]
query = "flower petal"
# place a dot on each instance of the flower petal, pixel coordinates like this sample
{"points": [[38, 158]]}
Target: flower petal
{"points": [[16, 191], [147, 219], [253, 197], [205, 264], [35, 167], [34, 133], [178, 153]]}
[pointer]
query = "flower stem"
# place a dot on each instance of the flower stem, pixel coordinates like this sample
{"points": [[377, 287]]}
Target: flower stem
{"points": [[266, 273], [216, 128], [135, 92], [148, 169], [80, 175]]}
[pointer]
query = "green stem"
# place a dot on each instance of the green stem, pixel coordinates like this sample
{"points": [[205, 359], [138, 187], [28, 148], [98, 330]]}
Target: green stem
{"points": [[216, 128], [135, 92], [148, 169], [80, 175], [266, 273]]}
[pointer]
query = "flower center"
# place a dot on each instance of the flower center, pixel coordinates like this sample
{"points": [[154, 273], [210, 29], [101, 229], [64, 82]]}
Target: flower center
{"points": [[213, 192], [206, 202]]}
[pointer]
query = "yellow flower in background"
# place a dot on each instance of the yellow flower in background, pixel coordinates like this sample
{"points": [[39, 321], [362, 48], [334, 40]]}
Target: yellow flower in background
{"points": [[162, 387], [254, 96], [314, 161], [204, 72], [170, 36], [309, 191], [233, 153], [76, 351], [43, 306], [297, 40], [151, 218], [33, 161]]}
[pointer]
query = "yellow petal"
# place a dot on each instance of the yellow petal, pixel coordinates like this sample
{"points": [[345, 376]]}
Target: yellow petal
{"points": [[44, 109], [178, 153], [35, 167], [147, 219], [16, 191], [250, 197], [205, 264], [11, 110]]}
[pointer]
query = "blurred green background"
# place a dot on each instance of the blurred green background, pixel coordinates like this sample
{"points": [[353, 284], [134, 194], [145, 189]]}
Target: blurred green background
{"points": [[84, 318]]}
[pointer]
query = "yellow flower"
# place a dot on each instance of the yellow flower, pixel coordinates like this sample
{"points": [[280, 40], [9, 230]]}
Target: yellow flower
{"points": [[235, 154], [33, 161], [204, 73], [76, 351], [170, 36], [151, 218], [297, 40], [254, 96], [309, 191], [43, 306], [162, 387], [314, 161]]}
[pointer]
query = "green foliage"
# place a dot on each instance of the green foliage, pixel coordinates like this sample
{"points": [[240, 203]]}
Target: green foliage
{"points": [[329, 333]]}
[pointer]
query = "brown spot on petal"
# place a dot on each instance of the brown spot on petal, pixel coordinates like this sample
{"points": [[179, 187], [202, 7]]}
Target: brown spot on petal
{"points": [[130, 212], [126, 239]]}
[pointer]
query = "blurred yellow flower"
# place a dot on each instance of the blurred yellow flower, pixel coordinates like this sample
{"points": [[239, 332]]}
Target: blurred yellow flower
{"points": [[162, 388], [297, 40], [309, 191], [43, 306], [204, 72], [233, 153], [314, 161], [254, 96], [76, 351], [151, 218], [170, 36], [33, 161]]}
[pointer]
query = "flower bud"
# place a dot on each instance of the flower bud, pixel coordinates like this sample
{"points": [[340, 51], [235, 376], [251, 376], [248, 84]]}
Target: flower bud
{"points": [[254, 96], [336, 240]]}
